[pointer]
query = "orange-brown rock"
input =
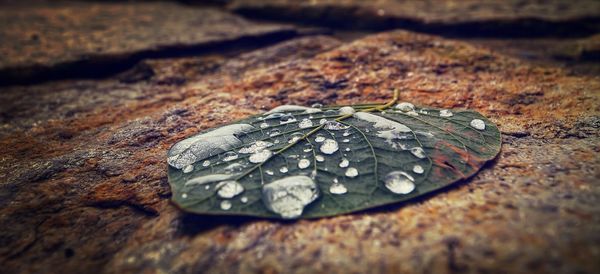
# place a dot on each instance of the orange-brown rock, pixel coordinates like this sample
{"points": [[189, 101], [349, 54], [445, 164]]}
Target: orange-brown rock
{"points": [[67, 39], [84, 184]]}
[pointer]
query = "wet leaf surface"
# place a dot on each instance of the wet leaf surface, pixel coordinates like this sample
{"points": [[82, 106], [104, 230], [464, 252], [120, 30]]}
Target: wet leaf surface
{"points": [[300, 162]]}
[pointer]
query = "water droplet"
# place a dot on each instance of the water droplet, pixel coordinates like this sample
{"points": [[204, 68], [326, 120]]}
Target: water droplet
{"points": [[269, 172], [229, 189], [418, 152], [344, 162], [225, 205], [305, 123], [319, 138], [288, 118], [264, 125], [399, 182], [478, 124], [335, 125], [418, 169], [319, 158], [307, 149], [244, 199], [317, 105], [283, 169], [303, 163], [202, 146], [346, 140], [295, 137], [337, 188], [446, 113], [276, 141], [405, 107], [322, 121], [285, 108], [206, 163], [274, 132], [351, 172], [347, 149], [423, 111], [207, 187], [229, 156], [346, 133], [257, 146], [260, 156], [205, 179], [274, 115], [347, 110], [188, 169], [288, 196], [235, 167], [329, 146], [184, 195]]}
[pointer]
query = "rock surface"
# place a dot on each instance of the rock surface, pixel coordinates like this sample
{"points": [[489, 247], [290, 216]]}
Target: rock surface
{"points": [[450, 17], [84, 169], [45, 41]]}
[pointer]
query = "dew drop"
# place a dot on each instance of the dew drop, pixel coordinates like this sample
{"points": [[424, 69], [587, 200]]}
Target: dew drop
{"points": [[317, 105], [257, 146], [418, 169], [288, 196], [188, 169], [418, 152], [225, 205], [329, 146], [229, 156], [347, 110], [320, 158], [269, 172], [206, 163], [244, 199], [399, 182], [264, 125], [344, 162], [337, 188], [303, 163], [320, 138], [207, 187], [351, 172], [446, 113], [274, 132], [235, 167], [322, 121], [346, 133], [478, 124], [229, 189], [307, 149], [283, 169], [184, 195], [274, 115], [305, 123], [347, 149], [260, 156], [405, 107], [346, 140], [295, 137], [335, 125], [287, 118]]}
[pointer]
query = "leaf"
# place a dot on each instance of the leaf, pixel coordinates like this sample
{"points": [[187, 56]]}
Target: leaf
{"points": [[299, 162]]}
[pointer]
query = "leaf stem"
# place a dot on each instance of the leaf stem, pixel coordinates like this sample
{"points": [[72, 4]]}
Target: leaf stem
{"points": [[314, 130]]}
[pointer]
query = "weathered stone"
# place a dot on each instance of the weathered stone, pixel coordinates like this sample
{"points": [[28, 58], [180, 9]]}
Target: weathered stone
{"points": [[450, 17], [41, 42], [533, 210]]}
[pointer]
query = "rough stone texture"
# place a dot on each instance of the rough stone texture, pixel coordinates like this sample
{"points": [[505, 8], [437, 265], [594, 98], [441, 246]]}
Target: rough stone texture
{"points": [[450, 17], [84, 171], [69, 39]]}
